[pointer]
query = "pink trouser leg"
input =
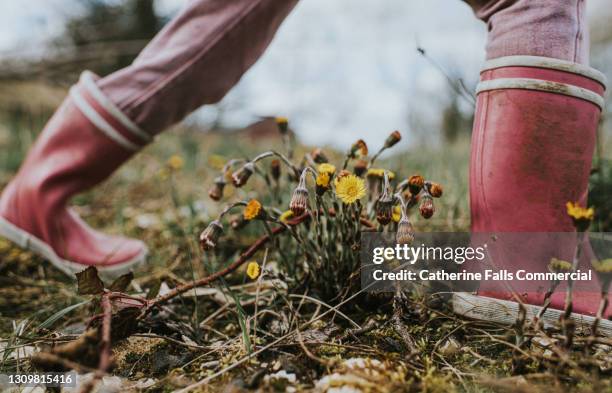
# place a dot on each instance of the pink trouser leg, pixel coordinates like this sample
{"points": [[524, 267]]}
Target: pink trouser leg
{"points": [[534, 133], [548, 28], [194, 60]]}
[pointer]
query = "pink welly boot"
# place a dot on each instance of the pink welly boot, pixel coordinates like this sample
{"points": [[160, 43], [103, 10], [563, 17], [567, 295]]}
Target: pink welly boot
{"points": [[83, 143], [532, 147]]}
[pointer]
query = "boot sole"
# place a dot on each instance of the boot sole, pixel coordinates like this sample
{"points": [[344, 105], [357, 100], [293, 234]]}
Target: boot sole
{"points": [[31, 243], [505, 312]]}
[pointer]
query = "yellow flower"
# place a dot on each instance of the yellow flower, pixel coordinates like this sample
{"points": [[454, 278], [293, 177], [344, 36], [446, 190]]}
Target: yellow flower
{"points": [[283, 124], [581, 216], [327, 168], [216, 161], [175, 162], [350, 189], [380, 172], [559, 266], [577, 212], [253, 270], [286, 216], [397, 213], [323, 179], [252, 210], [603, 266]]}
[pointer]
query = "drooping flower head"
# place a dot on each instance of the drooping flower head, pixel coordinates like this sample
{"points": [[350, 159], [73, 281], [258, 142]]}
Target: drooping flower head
{"points": [[299, 199], [210, 236], [350, 189], [415, 184], [405, 231], [242, 175], [427, 207], [216, 191]]}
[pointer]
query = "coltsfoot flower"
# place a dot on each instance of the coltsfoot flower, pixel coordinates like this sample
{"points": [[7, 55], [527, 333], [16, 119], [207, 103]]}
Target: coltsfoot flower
{"points": [[283, 124], [393, 139], [322, 182], [559, 266], [242, 175], [286, 216], [326, 168], [380, 172], [350, 189], [210, 236], [175, 162], [253, 270], [415, 184], [581, 216], [216, 191], [397, 213], [427, 207], [253, 210]]}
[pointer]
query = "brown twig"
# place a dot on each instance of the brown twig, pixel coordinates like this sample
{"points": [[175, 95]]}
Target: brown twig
{"points": [[105, 343]]}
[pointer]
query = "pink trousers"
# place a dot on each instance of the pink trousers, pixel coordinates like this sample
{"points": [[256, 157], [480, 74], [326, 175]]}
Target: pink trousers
{"points": [[201, 54]]}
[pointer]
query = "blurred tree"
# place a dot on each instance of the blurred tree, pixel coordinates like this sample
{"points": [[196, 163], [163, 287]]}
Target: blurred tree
{"points": [[120, 28]]}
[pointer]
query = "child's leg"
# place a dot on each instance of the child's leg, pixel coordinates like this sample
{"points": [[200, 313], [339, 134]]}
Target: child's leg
{"points": [[194, 60], [534, 132], [548, 28]]}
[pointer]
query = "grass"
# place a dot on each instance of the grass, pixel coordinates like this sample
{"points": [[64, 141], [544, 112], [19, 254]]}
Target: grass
{"points": [[358, 342]]}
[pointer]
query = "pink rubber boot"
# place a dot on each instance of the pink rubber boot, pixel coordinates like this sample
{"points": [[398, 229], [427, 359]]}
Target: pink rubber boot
{"points": [[535, 126], [83, 143], [193, 61]]}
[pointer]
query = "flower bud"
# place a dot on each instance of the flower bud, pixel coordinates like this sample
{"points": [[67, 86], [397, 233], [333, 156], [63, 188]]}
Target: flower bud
{"points": [[299, 200], [319, 156], [427, 207], [242, 175], [393, 139], [384, 209], [405, 231], [216, 191], [435, 189], [415, 184], [358, 149], [275, 169], [210, 236]]}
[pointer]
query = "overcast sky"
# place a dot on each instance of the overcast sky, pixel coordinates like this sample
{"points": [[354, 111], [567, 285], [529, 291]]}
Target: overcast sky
{"points": [[336, 68]]}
